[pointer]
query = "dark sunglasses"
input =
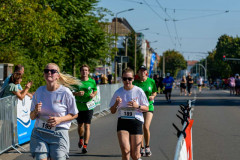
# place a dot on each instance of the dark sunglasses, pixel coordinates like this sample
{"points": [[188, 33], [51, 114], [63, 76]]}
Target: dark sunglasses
{"points": [[127, 78], [51, 70]]}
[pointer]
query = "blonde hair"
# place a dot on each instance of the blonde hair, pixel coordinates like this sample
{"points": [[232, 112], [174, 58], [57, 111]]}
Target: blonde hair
{"points": [[66, 79]]}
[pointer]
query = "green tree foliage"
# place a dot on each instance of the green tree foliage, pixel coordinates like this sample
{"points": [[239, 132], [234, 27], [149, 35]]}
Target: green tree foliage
{"points": [[230, 47], [174, 62], [69, 33], [131, 51], [85, 39], [29, 35]]}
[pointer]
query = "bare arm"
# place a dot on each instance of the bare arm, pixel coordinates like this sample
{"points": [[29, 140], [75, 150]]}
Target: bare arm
{"points": [[154, 94], [113, 109], [53, 121], [134, 104]]}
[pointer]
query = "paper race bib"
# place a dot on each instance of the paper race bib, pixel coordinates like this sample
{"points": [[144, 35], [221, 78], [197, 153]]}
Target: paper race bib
{"points": [[44, 127], [91, 104], [168, 84], [128, 113]]}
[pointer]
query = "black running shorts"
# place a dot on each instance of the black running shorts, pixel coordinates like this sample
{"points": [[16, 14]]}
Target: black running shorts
{"points": [[133, 126], [85, 116]]}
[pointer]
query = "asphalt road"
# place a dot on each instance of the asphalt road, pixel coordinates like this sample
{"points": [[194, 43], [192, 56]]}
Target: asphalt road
{"points": [[216, 134]]}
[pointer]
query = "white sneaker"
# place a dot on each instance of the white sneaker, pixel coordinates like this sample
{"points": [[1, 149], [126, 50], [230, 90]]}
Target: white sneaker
{"points": [[148, 152], [142, 151]]}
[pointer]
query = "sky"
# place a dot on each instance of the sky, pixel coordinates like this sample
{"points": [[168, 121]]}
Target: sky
{"points": [[189, 26]]}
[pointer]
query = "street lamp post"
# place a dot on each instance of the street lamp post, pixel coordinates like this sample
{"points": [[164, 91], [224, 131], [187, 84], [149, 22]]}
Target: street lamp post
{"points": [[115, 77], [135, 49]]}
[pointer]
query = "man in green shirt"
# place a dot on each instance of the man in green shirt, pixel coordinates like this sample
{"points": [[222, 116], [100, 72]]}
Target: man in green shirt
{"points": [[84, 95], [149, 87]]}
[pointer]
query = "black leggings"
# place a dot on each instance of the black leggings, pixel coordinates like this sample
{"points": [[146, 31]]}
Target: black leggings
{"points": [[189, 86]]}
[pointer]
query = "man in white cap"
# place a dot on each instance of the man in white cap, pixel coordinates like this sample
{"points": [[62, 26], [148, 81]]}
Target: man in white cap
{"points": [[168, 83]]}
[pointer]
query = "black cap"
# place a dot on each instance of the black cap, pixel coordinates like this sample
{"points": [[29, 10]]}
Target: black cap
{"points": [[142, 67]]}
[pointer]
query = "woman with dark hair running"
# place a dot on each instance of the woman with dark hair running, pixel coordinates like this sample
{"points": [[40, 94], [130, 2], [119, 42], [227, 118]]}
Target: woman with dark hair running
{"points": [[129, 101]]}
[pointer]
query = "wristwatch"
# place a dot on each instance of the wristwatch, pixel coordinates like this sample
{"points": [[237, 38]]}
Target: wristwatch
{"points": [[139, 107]]}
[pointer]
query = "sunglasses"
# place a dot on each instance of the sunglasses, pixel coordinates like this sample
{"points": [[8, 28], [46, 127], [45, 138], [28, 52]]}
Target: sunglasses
{"points": [[51, 70], [127, 78]]}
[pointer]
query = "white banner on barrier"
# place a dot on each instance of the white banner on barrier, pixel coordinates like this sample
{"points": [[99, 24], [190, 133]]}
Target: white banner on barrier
{"points": [[24, 123]]}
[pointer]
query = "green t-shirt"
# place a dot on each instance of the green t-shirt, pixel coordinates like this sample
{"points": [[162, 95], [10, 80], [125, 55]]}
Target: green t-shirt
{"points": [[148, 87], [88, 87], [10, 88]]}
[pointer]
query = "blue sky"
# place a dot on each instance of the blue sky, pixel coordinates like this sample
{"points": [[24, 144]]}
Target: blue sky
{"points": [[191, 26]]}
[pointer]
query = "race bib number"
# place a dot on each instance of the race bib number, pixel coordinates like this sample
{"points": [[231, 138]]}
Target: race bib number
{"points": [[168, 84], [91, 104], [128, 113], [43, 126]]}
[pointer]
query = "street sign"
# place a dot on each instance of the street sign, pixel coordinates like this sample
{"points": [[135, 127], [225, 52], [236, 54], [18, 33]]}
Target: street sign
{"points": [[121, 59]]}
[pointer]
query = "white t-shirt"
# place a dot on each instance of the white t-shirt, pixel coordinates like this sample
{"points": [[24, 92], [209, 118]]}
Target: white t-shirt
{"points": [[56, 104], [135, 93]]}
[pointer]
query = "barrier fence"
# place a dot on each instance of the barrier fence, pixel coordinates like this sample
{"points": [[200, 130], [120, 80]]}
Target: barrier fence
{"points": [[184, 147], [16, 125]]}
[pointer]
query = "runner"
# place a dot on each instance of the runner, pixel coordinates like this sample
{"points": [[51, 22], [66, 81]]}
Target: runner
{"points": [[53, 107], [183, 84], [149, 87], [168, 82], [200, 83], [231, 83], [84, 94], [130, 101], [189, 83]]}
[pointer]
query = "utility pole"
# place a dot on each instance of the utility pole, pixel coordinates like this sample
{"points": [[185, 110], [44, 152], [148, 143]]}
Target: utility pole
{"points": [[135, 54], [163, 65], [126, 45]]}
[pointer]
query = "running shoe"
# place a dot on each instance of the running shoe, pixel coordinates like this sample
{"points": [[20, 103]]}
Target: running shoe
{"points": [[80, 143], [142, 151], [84, 150], [148, 152]]}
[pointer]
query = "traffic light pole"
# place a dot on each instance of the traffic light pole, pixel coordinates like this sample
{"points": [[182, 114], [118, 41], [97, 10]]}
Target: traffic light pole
{"points": [[232, 59]]}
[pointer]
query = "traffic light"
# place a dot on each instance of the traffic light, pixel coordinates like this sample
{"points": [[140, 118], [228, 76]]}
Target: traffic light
{"points": [[224, 58]]}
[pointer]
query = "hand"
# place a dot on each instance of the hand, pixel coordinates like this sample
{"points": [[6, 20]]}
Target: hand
{"points": [[29, 84], [38, 108], [133, 104], [92, 95], [80, 93], [151, 98], [118, 100], [53, 121]]}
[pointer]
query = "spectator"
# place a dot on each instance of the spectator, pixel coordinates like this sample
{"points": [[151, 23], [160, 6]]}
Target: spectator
{"points": [[109, 77], [12, 87], [104, 79], [17, 69], [96, 77]]}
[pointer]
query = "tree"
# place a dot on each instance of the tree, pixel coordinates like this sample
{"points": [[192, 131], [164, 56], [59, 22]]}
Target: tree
{"points": [[29, 35], [174, 62], [131, 51], [85, 39]]}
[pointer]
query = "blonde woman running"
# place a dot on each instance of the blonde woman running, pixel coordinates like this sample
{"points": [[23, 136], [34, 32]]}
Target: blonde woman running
{"points": [[53, 107]]}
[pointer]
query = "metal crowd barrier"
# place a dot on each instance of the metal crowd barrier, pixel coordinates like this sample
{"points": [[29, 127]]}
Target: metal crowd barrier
{"points": [[181, 153], [106, 93], [8, 123], [8, 116]]}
